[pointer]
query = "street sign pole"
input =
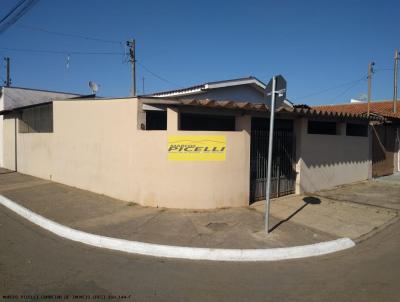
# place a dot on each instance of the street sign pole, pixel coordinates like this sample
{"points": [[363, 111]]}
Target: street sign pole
{"points": [[270, 149]]}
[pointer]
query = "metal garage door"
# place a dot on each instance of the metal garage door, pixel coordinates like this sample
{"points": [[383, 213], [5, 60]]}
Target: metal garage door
{"points": [[283, 173], [383, 145]]}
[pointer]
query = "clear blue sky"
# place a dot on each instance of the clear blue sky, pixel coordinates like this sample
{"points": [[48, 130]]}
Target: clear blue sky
{"points": [[315, 45]]}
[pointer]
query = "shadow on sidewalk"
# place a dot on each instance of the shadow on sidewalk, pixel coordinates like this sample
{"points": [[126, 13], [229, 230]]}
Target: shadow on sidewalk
{"points": [[307, 200]]}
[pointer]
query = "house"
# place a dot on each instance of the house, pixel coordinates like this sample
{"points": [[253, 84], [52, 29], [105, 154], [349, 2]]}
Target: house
{"points": [[15, 97], [385, 134], [246, 90], [241, 89], [186, 152]]}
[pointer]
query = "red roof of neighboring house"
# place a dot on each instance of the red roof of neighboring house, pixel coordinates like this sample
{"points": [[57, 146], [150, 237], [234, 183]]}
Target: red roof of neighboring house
{"points": [[382, 108]]}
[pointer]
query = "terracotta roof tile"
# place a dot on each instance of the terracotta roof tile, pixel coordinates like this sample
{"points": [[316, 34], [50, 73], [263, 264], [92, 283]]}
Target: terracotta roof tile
{"points": [[222, 104], [382, 108], [302, 110]]}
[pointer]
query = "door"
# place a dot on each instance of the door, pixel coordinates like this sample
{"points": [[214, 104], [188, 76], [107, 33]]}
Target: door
{"points": [[282, 173], [383, 149]]}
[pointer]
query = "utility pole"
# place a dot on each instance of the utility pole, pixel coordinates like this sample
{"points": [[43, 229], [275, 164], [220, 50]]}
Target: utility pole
{"points": [[396, 63], [370, 72], [132, 58], [7, 82], [143, 85]]}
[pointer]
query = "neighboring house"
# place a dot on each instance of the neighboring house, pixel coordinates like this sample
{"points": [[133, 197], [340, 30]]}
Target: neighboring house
{"points": [[385, 134], [245, 90], [248, 89], [15, 97]]}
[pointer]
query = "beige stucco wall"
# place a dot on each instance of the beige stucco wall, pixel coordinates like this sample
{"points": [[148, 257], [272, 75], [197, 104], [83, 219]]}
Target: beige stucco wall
{"points": [[96, 146], [326, 161]]}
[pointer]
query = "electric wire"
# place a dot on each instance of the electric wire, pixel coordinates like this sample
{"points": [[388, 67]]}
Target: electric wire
{"points": [[63, 34], [157, 76], [348, 89], [16, 13], [62, 52], [68, 53], [383, 69], [329, 89], [13, 10]]}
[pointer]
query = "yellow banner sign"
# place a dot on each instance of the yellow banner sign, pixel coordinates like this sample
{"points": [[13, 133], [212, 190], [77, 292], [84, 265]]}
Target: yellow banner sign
{"points": [[196, 147]]}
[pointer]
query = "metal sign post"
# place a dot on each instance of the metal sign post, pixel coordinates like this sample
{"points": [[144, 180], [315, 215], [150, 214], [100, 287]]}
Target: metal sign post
{"points": [[271, 89], [270, 149]]}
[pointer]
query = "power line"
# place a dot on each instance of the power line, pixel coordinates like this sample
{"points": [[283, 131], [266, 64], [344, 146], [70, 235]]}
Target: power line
{"points": [[40, 29], [383, 69], [329, 89], [348, 89], [13, 10], [64, 52], [16, 13], [157, 76], [61, 52]]}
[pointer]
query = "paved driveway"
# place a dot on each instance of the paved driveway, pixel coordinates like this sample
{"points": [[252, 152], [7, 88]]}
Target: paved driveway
{"points": [[382, 192]]}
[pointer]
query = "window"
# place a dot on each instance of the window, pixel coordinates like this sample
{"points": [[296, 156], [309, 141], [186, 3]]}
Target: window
{"points": [[328, 128], [38, 119], [258, 123], [156, 120], [198, 122], [356, 130]]}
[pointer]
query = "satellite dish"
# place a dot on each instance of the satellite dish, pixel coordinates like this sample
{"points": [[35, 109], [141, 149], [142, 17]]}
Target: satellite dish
{"points": [[94, 87]]}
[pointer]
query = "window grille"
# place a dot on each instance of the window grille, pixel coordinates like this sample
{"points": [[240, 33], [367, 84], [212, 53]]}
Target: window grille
{"points": [[37, 119]]}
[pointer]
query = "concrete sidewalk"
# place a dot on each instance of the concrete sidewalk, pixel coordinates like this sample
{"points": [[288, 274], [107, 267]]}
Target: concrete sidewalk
{"points": [[337, 218], [296, 221], [98, 214], [383, 192]]}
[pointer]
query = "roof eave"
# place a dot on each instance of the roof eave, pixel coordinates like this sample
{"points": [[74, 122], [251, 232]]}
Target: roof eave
{"points": [[178, 93], [235, 83]]}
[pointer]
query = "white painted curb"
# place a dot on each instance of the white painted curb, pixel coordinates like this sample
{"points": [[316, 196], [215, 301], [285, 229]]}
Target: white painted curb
{"points": [[191, 253]]}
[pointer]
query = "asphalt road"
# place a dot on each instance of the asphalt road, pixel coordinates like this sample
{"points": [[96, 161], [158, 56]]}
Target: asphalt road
{"points": [[35, 262]]}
